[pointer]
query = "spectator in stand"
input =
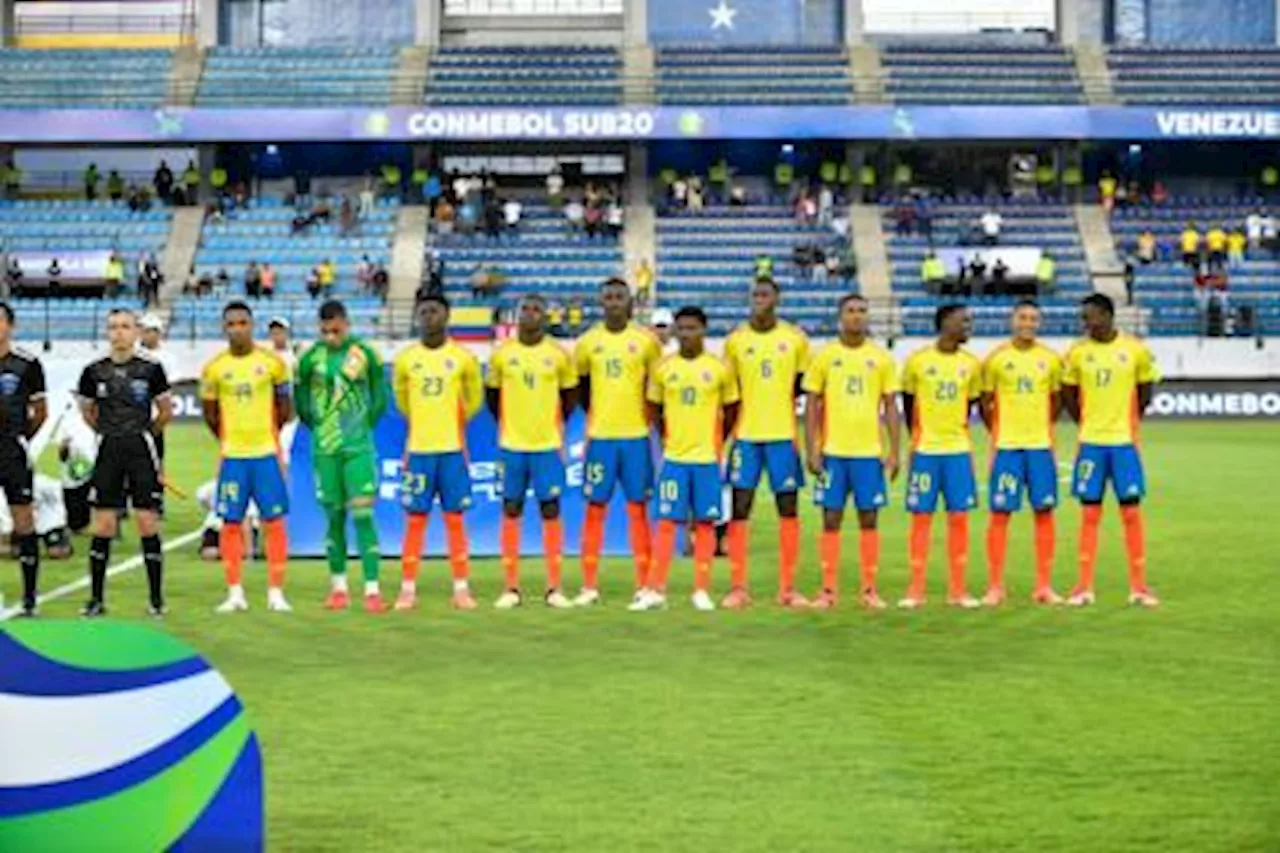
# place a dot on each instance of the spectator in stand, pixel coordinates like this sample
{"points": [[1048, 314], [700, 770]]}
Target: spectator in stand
{"points": [[1269, 240], [737, 196], [511, 210], [139, 199], [802, 258], [12, 276], [461, 185], [1215, 243], [1046, 272], [1147, 247], [1190, 243], [469, 213], [364, 274], [367, 198], [151, 282], [1253, 229], [806, 208], [346, 217], [435, 272], [1129, 278], [268, 281], [486, 282], [1211, 288], [445, 215], [555, 319], [313, 283], [253, 281], [848, 267], [1000, 277], [555, 187], [493, 218], [924, 217], [977, 272], [679, 193], [593, 218], [115, 185], [991, 222], [1159, 194], [328, 275], [663, 322], [431, 192], [817, 264], [91, 179], [574, 215], [932, 273], [1107, 191], [613, 218], [644, 281], [11, 177], [114, 276], [191, 183], [574, 317], [381, 281], [826, 205], [697, 195], [904, 217], [163, 182], [301, 187], [1236, 243]]}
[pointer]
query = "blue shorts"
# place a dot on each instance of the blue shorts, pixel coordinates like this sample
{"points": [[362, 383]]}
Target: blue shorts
{"points": [[427, 475], [844, 476], [689, 489], [1012, 470], [618, 461], [750, 459], [1096, 463], [520, 471], [259, 479], [948, 474]]}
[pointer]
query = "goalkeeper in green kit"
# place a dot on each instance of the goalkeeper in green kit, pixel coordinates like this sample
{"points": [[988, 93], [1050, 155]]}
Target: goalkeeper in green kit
{"points": [[341, 392]]}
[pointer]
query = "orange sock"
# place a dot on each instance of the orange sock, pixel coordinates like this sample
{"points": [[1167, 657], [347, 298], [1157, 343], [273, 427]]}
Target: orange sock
{"points": [[641, 546], [1046, 537], [997, 548], [592, 543], [664, 549], [415, 534], [788, 552], [276, 545], [1135, 543], [231, 544], [553, 548], [918, 552], [958, 551], [459, 550], [704, 551], [738, 553], [869, 557], [829, 546], [1090, 520], [511, 551]]}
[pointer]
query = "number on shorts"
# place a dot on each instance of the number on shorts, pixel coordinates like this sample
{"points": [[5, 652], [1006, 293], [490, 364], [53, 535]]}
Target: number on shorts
{"points": [[230, 491], [669, 490], [414, 484], [921, 482], [1085, 470], [1007, 483], [595, 473]]}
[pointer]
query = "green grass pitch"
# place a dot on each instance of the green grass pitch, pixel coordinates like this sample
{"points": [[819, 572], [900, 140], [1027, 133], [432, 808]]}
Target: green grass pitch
{"points": [[1017, 730]]}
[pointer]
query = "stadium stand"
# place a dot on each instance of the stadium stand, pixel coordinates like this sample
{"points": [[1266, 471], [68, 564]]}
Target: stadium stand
{"points": [[1166, 286], [125, 79], [794, 75], [978, 73], [1026, 224], [1164, 75], [524, 76], [707, 258], [297, 77], [263, 233], [543, 258]]}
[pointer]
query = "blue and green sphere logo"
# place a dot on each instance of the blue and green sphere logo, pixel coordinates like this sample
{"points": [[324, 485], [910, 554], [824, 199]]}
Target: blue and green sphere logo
{"points": [[377, 124], [116, 737]]}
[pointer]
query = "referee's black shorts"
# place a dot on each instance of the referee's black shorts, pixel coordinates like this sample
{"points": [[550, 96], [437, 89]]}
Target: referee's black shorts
{"points": [[128, 468], [15, 472]]}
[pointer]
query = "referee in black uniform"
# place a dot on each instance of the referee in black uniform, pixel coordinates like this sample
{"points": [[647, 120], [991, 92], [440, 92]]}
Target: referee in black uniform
{"points": [[23, 409], [118, 393]]}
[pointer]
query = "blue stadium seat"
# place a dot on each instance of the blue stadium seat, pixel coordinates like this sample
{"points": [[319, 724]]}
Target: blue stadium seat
{"points": [[120, 79], [1164, 75], [715, 76], [976, 73], [524, 76], [297, 77]]}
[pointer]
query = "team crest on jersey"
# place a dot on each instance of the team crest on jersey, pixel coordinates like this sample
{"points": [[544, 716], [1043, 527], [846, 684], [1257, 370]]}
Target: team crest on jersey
{"points": [[448, 364], [513, 362], [227, 377], [838, 363], [259, 371], [1123, 358], [599, 350], [631, 348], [416, 368], [1041, 366], [931, 371], [706, 376], [871, 364], [751, 350], [546, 362], [9, 383], [962, 373], [782, 347], [1089, 359]]}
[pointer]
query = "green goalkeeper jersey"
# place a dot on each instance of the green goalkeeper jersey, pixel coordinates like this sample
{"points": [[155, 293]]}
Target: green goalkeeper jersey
{"points": [[341, 392]]}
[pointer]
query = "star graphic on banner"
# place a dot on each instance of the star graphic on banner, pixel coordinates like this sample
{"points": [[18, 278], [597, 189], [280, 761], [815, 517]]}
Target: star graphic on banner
{"points": [[722, 15]]}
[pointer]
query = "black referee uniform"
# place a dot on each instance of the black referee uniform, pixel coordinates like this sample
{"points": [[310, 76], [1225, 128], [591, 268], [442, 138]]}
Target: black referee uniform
{"points": [[21, 384], [128, 466]]}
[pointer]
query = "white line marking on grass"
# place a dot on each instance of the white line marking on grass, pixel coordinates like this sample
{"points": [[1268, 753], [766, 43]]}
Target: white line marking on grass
{"points": [[119, 568]]}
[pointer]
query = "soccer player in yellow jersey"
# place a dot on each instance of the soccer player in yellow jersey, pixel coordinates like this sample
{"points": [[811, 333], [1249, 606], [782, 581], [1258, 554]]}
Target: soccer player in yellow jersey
{"points": [[1107, 385], [768, 358], [614, 360], [1021, 384], [531, 390], [694, 401], [851, 384], [438, 387], [940, 385], [244, 391]]}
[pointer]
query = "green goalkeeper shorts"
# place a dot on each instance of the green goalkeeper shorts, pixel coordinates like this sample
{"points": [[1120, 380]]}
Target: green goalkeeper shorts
{"points": [[342, 479]]}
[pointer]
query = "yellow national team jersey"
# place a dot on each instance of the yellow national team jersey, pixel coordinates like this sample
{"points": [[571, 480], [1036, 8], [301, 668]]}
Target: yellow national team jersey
{"points": [[530, 379], [852, 382], [244, 388], [692, 393], [1108, 376], [438, 390], [619, 364], [1023, 382], [766, 365], [944, 385]]}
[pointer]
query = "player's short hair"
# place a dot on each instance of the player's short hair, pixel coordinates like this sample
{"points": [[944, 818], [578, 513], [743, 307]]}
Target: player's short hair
{"points": [[944, 311], [438, 298], [847, 298], [1026, 303], [694, 312], [768, 281], [7, 310], [333, 310], [117, 311], [615, 282], [236, 305], [1102, 302], [535, 298]]}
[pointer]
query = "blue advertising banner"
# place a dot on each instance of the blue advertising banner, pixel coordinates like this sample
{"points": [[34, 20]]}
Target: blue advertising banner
{"points": [[307, 522], [409, 124]]}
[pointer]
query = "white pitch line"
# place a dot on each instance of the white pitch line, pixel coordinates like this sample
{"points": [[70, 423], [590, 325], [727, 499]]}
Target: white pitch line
{"points": [[119, 568]]}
